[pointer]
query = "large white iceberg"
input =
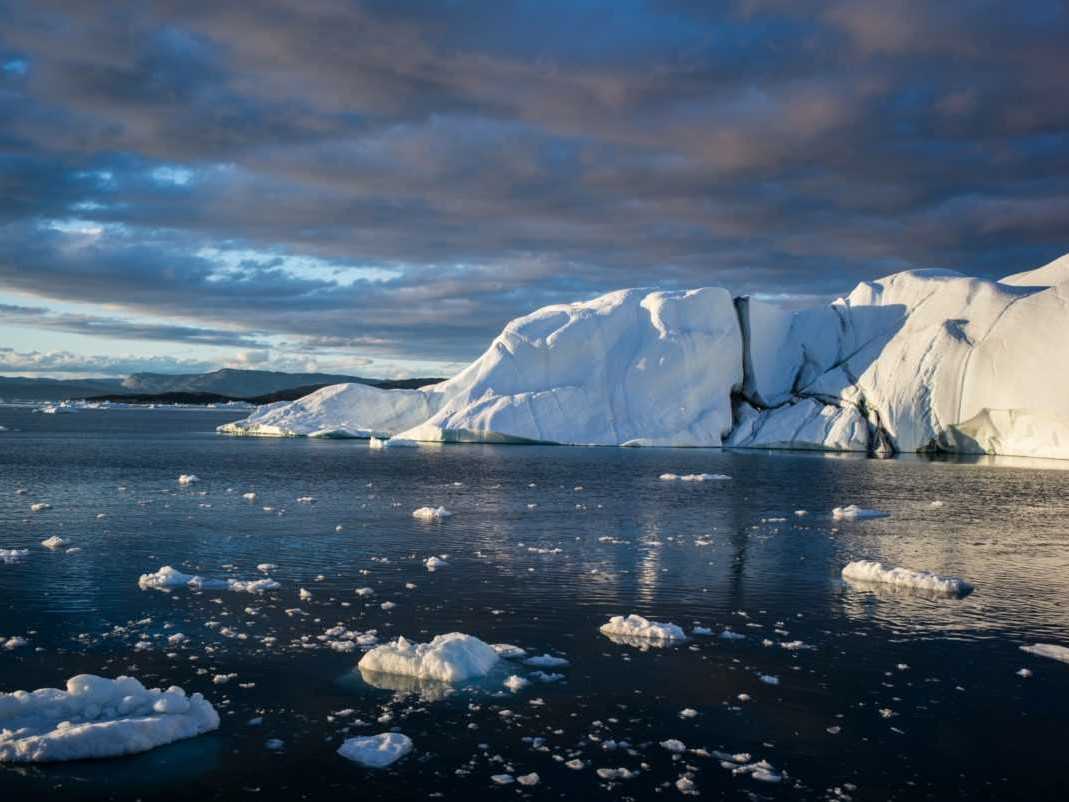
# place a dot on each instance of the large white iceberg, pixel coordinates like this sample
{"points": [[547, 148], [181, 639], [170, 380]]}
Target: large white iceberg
{"points": [[96, 718], [924, 360], [455, 657]]}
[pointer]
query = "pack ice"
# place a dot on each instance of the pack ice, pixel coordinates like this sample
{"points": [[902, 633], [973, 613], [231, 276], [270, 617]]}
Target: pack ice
{"points": [[455, 657], [923, 360], [96, 717]]}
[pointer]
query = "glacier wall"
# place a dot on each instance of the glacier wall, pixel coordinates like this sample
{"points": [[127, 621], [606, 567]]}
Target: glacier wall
{"points": [[924, 360]]}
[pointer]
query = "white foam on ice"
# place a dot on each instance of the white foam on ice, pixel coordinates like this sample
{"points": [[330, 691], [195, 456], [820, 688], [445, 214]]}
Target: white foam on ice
{"points": [[97, 717], [376, 751], [872, 572], [454, 657]]}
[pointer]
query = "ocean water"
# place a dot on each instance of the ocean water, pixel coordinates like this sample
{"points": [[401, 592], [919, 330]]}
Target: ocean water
{"points": [[892, 695]]}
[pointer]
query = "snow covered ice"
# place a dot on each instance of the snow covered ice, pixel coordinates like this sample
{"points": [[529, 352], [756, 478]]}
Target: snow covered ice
{"points": [[168, 578], [637, 627], [454, 657], [376, 751], [1049, 650], [97, 717], [871, 572], [923, 360]]}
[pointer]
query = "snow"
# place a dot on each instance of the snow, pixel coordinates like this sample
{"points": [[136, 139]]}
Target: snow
{"points": [[853, 512], [454, 657], [431, 513], [635, 626], [97, 717], [1053, 651], [922, 360], [168, 578], [376, 751], [871, 572]]}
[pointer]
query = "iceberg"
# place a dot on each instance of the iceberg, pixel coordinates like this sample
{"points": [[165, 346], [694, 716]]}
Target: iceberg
{"points": [[918, 361], [376, 751], [455, 657], [635, 627], [869, 572], [96, 717]]}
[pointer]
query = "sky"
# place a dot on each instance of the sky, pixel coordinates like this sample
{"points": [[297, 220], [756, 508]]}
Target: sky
{"points": [[378, 187]]}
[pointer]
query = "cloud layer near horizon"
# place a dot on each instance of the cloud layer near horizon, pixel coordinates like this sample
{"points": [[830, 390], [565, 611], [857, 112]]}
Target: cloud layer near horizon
{"points": [[397, 180]]}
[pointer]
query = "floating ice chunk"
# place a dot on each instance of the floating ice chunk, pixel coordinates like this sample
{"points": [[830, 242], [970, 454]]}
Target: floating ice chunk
{"points": [[431, 513], [434, 563], [768, 679], [635, 626], [870, 571], [503, 779], [376, 751], [529, 779], [674, 745], [698, 630], [694, 477], [266, 567], [54, 542], [866, 571], [97, 718], [688, 712], [546, 661], [304, 595], [508, 651], [249, 496], [730, 634], [455, 657], [516, 683], [12, 555], [188, 479], [620, 773], [168, 578], [853, 512], [306, 500], [11, 644], [364, 591], [1053, 651], [40, 506]]}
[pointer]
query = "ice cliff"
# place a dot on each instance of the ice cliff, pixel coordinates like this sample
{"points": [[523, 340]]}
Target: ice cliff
{"points": [[924, 360]]}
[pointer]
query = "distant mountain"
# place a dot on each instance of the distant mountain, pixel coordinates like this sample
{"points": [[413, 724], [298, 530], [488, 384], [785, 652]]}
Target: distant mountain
{"points": [[258, 386], [231, 383], [18, 388]]}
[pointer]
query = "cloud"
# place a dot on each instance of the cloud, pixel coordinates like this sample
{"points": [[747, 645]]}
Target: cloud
{"points": [[37, 363], [447, 168]]}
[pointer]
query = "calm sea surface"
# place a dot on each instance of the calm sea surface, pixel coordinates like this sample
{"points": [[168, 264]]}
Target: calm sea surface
{"points": [[890, 695]]}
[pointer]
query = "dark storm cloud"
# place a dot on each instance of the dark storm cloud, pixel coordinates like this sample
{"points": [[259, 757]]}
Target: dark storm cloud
{"points": [[497, 156]]}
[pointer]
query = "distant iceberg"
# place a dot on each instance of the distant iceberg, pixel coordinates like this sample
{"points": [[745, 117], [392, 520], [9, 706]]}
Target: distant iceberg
{"points": [[919, 361]]}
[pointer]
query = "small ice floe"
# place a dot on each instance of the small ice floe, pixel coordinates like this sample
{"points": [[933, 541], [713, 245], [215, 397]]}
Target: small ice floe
{"points": [[266, 568], [1050, 650], [516, 683], [688, 712], [96, 717], [700, 630], [870, 572], [188, 479], [853, 512], [508, 651], [801, 513], [730, 634], [529, 779], [694, 477], [503, 779], [364, 591], [54, 542], [768, 679], [168, 578], [634, 630], [454, 657], [275, 744], [304, 595], [434, 563], [546, 661], [9, 556], [40, 506], [1023, 673], [306, 500], [249, 496], [674, 745], [431, 513], [10, 644], [376, 751], [607, 773]]}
